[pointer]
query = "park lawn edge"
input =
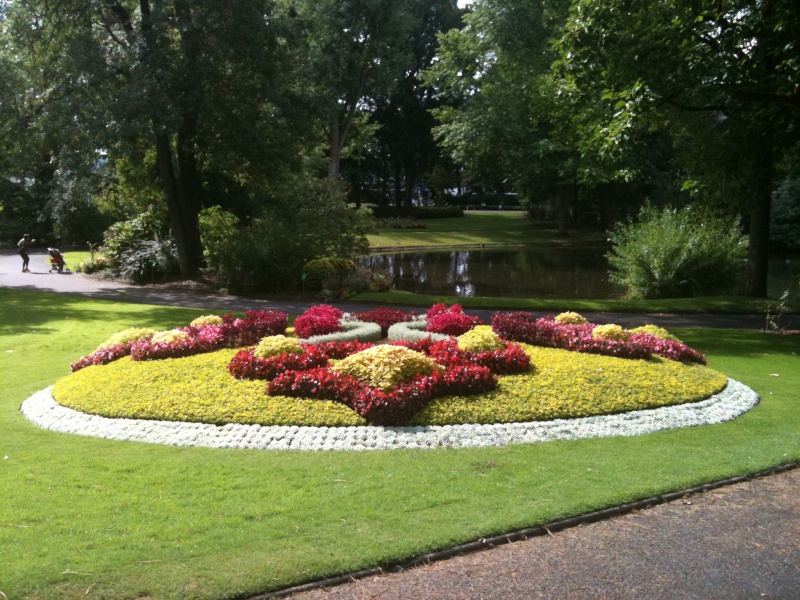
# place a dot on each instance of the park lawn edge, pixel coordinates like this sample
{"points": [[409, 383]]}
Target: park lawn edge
{"points": [[401, 503], [704, 305]]}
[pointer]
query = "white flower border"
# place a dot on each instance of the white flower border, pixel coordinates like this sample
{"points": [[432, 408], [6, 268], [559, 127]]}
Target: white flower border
{"points": [[45, 412], [413, 331]]}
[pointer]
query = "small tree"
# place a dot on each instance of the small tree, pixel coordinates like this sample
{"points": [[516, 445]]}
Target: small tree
{"points": [[672, 253]]}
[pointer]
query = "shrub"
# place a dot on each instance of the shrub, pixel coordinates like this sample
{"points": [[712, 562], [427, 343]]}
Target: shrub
{"points": [[677, 253], [318, 320], [146, 261], [92, 265], [123, 236], [413, 331], [386, 366], [480, 339], [218, 234], [206, 320], [610, 332], [784, 229], [126, 336], [167, 337], [246, 365], [275, 345], [657, 331], [525, 327], [322, 270], [571, 318]]}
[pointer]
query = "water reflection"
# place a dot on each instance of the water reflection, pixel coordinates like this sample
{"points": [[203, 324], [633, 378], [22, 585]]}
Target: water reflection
{"points": [[525, 272], [529, 272]]}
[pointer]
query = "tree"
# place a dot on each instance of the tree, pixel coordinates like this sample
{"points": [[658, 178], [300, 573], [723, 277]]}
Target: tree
{"points": [[201, 81], [720, 77], [354, 51]]}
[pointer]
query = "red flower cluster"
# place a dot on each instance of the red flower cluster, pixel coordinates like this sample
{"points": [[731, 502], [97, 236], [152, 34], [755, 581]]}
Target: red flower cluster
{"points": [[245, 365], [507, 360], [466, 373], [383, 407], [101, 357], [321, 319], [450, 320], [385, 317], [525, 327]]}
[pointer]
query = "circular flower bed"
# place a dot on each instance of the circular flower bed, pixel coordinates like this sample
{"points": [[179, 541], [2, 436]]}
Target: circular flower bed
{"points": [[520, 369]]}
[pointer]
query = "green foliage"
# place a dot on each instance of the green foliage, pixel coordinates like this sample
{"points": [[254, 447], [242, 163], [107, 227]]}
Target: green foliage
{"points": [[218, 233], [655, 330], [385, 366], [150, 261], [123, 236], [610, 332], [674, 253], [480, 339], [275, 345], [127, 335], [785, 225], [561, 385], [321, 270]]}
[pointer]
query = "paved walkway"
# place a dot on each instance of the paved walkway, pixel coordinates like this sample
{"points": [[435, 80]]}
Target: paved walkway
{"points": [[737, 542]]}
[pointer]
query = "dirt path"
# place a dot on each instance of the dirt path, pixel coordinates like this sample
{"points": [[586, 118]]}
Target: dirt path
{"points": [[735, 542]]}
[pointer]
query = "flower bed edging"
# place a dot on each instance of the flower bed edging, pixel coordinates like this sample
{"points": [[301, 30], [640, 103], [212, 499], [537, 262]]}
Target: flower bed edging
{"points": [[44, 411]]}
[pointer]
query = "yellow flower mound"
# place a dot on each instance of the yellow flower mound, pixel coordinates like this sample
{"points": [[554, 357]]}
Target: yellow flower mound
{"points": [[480, 339], [206, 320], [610, 332], [565, 385], [127, 335], [275, 345], [571, 318], [561, 385], [196, 388], [166, 337], [385, 366], [657, 331]]}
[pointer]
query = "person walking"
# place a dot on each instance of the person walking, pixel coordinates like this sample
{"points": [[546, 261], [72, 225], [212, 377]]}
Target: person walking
{"points": [[23, 246]]}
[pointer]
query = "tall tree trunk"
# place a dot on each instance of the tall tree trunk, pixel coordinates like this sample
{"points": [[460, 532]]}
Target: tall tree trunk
{"points": [[757, 267]]}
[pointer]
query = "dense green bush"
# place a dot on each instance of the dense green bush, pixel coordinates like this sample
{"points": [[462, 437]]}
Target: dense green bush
{"points": [[124, 236], [672, 253], [148, 261], [218, 233], [320, 270]]}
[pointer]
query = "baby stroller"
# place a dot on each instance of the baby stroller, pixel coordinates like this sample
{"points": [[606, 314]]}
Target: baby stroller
{"points": [[56, 261]]}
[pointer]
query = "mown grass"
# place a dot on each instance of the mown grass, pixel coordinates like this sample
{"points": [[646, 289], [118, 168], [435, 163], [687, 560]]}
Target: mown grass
{"points": [[710, 304], [88, 518], [476, 228]]}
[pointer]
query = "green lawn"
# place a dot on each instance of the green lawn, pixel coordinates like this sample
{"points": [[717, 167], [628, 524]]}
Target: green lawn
{"points": [[715, 304], [476, 228], [89, 518]]}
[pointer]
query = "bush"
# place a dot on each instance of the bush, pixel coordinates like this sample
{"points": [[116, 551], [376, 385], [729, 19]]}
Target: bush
{"points": [[386, 366], [677, 253], [123, 236], [218, 234], [321, 270], [275, 345], [147, 261]]}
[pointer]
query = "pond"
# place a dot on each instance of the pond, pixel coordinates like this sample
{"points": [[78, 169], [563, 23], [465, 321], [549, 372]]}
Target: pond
{"points": [[556, 272]]}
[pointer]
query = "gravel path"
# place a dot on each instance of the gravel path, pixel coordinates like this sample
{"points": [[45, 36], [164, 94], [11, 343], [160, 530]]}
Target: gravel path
{"points": [[738, 542]]}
